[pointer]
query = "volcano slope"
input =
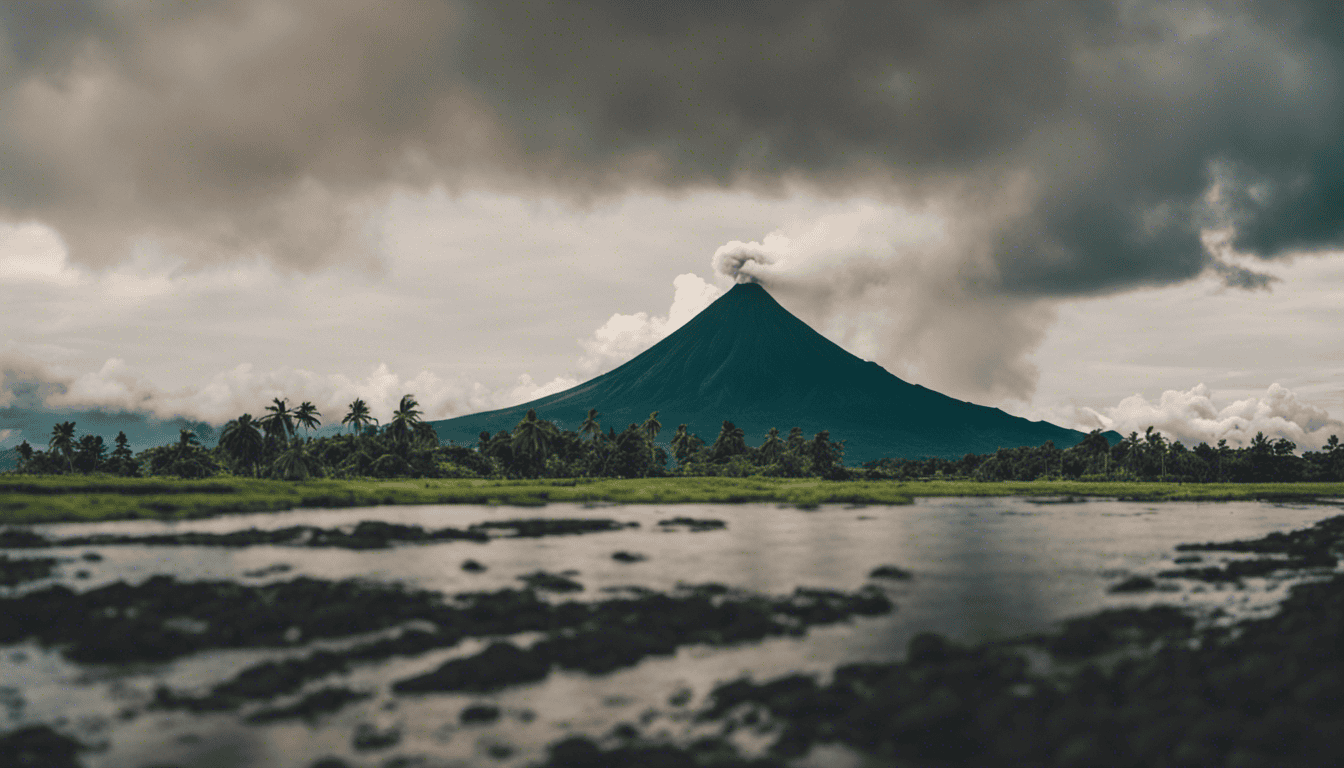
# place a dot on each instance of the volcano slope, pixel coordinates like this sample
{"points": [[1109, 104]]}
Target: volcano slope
{"points": [[748, 360]]}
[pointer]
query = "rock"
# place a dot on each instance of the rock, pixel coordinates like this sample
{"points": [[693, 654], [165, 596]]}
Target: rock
{"points": [[471, 566], [890, 572], [692, 524], [369, 737], [550, 582], [1134, 584], [497, 667], [38, 746], [628, 557], [476, 714]]}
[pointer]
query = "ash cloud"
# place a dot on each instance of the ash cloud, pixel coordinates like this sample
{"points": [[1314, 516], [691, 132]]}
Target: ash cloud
{"points": [[1072, 148]]}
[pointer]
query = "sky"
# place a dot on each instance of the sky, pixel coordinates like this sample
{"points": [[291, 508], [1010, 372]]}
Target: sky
{"points": [[1104, 214]]}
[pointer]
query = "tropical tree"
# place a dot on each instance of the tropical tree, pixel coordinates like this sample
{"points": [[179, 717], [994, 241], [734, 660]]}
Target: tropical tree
{"points": [[122, 461], [306, 416], [531, 439], [25, 451], [296, 463], [242, 442], [405, 418], [590, 428], [359, 417], [651, 429], [279, 420], [186, 440], [63, 442], [730, 442], [90, 454], [683, 443], [772, 448]]}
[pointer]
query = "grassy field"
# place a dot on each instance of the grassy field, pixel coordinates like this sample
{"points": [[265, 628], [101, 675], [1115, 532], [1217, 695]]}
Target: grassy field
{"points": [[33, 499]]}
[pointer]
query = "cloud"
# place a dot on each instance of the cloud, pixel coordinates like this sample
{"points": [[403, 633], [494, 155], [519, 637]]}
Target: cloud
{"points": [[1193, 417], [1070, 149], [116, 387], [622, 337]]}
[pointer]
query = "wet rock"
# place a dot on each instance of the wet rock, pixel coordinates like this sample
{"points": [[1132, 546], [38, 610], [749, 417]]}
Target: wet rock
{"points": [[628, 557], [550, 582], [319, 702], [497, 667], [269, 570], [1114, 628], [367, 534], [1258, 567], [694, 525], [531, 528], [17, 570], [1134, 584], [330, 762], [477, 714], [369, 737], [22, 538], [38, 746], [91, 557], [471, 566], [890, 572]]}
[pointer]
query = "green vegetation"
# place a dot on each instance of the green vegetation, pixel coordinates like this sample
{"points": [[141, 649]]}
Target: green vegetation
{"points": [[34, 499]]}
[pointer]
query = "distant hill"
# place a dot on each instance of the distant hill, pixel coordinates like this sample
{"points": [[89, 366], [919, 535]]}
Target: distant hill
{"points": [[748, 360]]}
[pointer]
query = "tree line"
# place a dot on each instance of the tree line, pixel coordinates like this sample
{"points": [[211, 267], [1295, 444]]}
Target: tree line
{"points": [[1146, 457], [279, 445]]}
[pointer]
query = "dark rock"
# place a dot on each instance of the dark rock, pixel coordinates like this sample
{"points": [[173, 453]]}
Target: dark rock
{"points": [[1134, 584], [319, 702], [538, 527], [692, 524], [22, 538], [471, 566], [628, 557], [17, 570], [890, 572], [476, 714], [38, 746], [497, 667], [91, 557], [368, 737], [330, 762], [550, 582]]}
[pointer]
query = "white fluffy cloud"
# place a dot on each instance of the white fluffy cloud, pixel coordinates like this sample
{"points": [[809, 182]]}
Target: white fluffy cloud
{"points": [[624, 336], [1193, 416]]}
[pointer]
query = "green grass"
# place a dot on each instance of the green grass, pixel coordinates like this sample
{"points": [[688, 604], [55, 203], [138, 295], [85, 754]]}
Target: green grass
{"points": [[28, 499]]}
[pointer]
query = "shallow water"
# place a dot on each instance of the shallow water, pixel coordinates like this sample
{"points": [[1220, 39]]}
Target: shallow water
{"points": [[984, 569]]}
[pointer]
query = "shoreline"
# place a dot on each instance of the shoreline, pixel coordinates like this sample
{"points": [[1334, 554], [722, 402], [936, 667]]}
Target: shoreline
{"points": [[45, 499]]}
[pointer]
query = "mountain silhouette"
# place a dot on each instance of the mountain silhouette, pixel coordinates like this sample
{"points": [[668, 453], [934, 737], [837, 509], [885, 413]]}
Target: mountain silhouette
{"points": [[748, 360]]}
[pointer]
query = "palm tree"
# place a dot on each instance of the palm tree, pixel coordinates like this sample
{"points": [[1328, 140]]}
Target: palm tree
{"points": [[530, 438], [280, 421], [296, 463], [405, 417], [590, 428], [773, 447], [307, 416], [681, 443], [186, 440], [63, 442], [359, 416], [730, 442], [241, 441], [651, 428]]}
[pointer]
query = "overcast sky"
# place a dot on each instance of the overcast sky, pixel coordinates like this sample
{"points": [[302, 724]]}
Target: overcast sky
{"points": [[1103, 214]]}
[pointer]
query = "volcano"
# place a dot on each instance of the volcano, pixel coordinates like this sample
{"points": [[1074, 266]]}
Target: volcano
{"points": [[748, 360]]}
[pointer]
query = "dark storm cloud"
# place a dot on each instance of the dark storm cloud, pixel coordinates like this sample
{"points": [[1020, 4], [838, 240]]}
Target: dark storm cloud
{"points": [[1087, 145]]}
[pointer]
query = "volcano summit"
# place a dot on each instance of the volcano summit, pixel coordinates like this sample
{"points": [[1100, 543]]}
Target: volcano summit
{"points": [[748, 360]]}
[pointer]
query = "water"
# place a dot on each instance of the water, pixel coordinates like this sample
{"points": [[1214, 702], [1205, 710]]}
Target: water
{"points": [[984, 569]]}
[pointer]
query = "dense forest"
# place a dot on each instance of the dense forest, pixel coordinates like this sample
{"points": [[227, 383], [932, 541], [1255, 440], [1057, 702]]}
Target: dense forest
{"points": [[279, 445]]}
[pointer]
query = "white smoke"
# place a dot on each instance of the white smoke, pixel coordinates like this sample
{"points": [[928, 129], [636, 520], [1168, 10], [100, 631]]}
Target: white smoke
{"points": [[1194, 417], [624, 336], [893, 285]]}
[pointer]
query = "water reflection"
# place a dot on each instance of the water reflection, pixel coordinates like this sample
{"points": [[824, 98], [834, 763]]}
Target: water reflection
{"points": [[982, 569]]}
